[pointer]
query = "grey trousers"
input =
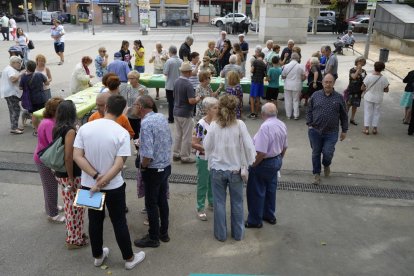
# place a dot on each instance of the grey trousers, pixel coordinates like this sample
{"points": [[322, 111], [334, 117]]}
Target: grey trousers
{"points": [[183, 134], [14, 111]]}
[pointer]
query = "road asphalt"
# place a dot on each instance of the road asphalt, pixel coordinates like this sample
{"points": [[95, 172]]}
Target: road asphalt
{"points": [[318, 233]]}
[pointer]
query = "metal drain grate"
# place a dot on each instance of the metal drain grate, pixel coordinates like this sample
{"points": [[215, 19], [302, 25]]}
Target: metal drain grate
{"points": [[363, 191]]}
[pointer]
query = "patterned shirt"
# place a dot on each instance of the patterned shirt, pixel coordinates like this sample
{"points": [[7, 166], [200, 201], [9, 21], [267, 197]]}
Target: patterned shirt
{"points": [[238, 92], [200, 131], [156, 140], [202, 92], [324, 112], [100, 70]]}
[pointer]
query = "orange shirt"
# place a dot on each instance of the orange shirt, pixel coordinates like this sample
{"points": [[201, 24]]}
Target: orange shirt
{"points": [[122, 121]]}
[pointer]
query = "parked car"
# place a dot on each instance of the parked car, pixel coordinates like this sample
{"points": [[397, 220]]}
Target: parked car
{"points": [[253, 25], [323, 25], [21, 17], [219, 21], [47, 17], [360, 25], [327, 15], [175, 20], [358, 16]]}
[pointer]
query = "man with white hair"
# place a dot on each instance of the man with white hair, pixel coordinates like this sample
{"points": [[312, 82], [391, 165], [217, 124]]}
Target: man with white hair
{"points": [[172, 73], [185, 49], [257, 51], [232, 66], [220, 41], [293, 74], [244, 46], [159, 56], [268, 48], [271, 144], [9, 90], [287, 52]]}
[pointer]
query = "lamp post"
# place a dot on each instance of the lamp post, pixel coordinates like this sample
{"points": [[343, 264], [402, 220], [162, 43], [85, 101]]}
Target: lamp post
{"points": [[27, 15], [93, 18]]}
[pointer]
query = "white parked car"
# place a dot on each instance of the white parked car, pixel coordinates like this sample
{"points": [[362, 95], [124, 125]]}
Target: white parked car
{"points": [[219, 21], [359, 25]]}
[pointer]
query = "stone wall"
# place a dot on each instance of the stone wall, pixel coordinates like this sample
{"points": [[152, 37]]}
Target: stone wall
{"points": [[281, 21], [403, 46]]}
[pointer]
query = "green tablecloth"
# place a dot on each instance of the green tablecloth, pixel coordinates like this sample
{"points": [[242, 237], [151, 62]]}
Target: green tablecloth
{"points": [[158, 81], [84, 100]]}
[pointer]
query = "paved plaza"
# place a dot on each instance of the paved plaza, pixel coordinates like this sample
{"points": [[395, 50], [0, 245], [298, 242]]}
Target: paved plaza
{"points": [[338, 229]]}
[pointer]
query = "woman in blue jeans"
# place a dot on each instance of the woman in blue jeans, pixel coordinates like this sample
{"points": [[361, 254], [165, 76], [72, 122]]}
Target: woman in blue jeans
{"points": [[228, 147]]}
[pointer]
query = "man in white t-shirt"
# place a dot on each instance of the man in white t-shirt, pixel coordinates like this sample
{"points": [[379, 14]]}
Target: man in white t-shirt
{"points": [[58, 34], [4, 21], [100, 150]]}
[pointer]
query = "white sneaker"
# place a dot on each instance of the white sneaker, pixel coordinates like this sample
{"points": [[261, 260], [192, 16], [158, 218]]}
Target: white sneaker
{"points": [[138, 257], [105, 254]]}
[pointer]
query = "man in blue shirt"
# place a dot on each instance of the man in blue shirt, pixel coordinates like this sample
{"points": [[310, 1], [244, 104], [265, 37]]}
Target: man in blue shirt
{"points": [[155, 152], [325, 110], [119, 67]]}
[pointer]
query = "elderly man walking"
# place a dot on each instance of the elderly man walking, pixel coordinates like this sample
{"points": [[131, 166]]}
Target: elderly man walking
{"points": [[184, 101], [172, 73], [185, 49], [155, 153], [271, 145], [293, 74], [326, 109]]}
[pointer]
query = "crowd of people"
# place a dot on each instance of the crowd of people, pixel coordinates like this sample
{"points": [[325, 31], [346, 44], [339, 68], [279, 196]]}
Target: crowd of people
{"points": [[208, 123]]}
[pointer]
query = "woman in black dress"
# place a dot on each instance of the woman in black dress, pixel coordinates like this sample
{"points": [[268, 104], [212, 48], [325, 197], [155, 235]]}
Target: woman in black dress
{"points": [[314, 79], [354, 93], [225, 54]]}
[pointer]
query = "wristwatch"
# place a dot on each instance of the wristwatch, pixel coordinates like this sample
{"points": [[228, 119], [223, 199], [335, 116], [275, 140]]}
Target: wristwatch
{"points": [[96, 176]]}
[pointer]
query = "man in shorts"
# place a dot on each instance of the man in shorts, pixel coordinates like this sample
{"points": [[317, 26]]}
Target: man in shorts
{"points": [[258, 71], [58, 34]]}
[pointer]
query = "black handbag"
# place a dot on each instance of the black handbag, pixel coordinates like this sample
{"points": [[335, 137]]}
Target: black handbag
{"points": [[30, 45]]}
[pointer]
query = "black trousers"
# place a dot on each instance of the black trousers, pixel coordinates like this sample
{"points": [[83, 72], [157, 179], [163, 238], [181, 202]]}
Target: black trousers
{"points": [[411, 126], [136, 126], [156, 202], [5, 32], [170, 99], [115, 202]]}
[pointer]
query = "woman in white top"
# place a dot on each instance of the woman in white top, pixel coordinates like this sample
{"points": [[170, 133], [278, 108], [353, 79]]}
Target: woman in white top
{"points": [[22, 41], [228, 147], [41, 68], [374, 87], [210, 107], [13, 27], [81, 76], [294, 74]]}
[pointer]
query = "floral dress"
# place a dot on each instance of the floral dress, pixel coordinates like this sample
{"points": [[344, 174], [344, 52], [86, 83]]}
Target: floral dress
{"points": [[214, 54], [354, 88], [238, 92], [202, 92]]}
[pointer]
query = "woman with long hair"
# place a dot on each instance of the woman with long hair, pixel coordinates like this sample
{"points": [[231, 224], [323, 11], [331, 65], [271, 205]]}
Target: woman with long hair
{"points": [[49, 182], [139, 56], [22, 40], [225, 54], [228, 147], [42, 68], [126, 53], [240, 57], [71, 179]]}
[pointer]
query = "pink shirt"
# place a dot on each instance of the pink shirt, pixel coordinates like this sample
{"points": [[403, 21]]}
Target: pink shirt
{"points": [[44, 137], [271, 137]]}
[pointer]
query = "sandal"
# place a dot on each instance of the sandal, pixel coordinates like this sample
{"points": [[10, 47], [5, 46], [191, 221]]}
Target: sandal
{"points": [[353, 122], [365, 131], [374, 131], [59, 219], [71, 246]]}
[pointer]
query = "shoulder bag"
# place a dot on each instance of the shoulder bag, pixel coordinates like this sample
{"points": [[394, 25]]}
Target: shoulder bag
{"points": [[284, 77], [30, 45], [244, 172], [368, 88], [53, 156]]}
